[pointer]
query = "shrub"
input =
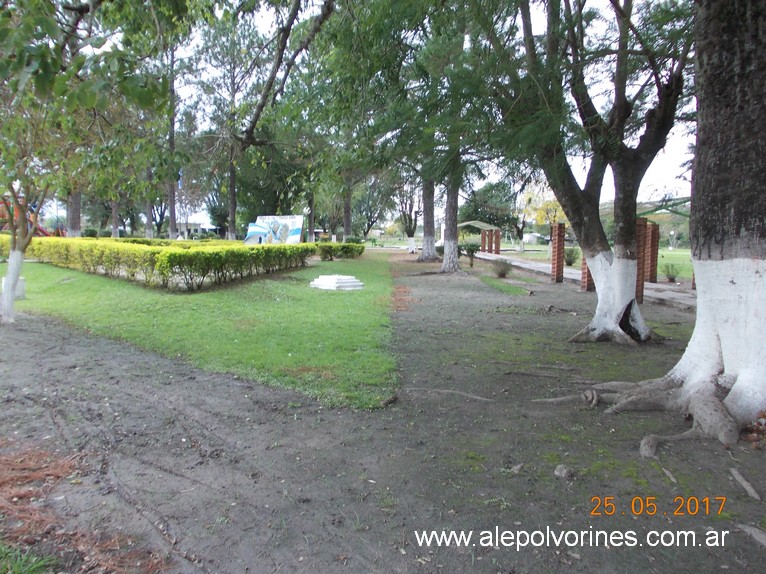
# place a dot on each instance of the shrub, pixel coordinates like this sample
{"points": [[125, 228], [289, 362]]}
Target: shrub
{"points": [[470, 249], [502, 267], [670, 271], [89, 232], [169, 262], [571, 255], [357, 240], [326, 251]]}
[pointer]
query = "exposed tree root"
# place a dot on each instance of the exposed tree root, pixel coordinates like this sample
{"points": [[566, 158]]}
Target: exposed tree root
{"points": [[744, 483], [450, 392], [710, 416]]}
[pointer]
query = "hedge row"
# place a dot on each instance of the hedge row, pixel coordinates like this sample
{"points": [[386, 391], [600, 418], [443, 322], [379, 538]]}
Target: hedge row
{"points": [[329, 251], [168, 265]]}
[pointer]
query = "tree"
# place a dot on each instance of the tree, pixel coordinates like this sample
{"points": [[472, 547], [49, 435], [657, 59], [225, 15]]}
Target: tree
{"points": [[720, 378], [410, 207], [543, 88], [232, 54], [49, 69], [374, 201]]}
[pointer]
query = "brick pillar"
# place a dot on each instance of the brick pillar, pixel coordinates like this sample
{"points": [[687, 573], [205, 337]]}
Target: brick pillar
{"points": [[586, 279], [498, 234], [640, 258], [651, 252], [557, 253], [484, 240]]}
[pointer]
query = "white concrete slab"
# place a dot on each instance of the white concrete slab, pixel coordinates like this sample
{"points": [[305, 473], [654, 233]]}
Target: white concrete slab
{"points": [[337, 283]]}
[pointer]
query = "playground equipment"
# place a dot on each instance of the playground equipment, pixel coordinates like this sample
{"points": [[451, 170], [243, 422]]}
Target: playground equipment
{"points": [[40, 231]]}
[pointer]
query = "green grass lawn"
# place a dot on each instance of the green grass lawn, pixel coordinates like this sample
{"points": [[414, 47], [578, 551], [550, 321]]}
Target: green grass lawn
{"points": [[332, 345], [681, 258]]}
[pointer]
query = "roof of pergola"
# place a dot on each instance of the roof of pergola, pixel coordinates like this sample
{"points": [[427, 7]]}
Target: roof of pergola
{"points": [[479, 225]]}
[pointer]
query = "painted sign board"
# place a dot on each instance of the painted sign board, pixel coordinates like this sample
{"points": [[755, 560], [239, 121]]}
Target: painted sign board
{"points": [[275, 229]]}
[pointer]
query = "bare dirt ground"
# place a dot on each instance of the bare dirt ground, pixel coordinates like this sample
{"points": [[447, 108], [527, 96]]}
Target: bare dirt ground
{"points": [[210, 473]]}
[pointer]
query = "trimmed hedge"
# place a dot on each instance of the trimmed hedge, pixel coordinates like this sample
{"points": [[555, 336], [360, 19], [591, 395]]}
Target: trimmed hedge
{"points": [[329, 251], [169, 263]]}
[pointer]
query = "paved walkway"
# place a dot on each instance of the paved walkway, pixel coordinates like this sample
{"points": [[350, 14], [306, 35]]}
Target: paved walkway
{"points": [[682, 296]]}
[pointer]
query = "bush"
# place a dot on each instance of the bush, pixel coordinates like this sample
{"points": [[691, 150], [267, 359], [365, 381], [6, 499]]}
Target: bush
{"points": [[89, 232], [169, 263], [670, 270], [329, 251], [357, 240], [326, 251], [571, 255], [470, 249], [502, 267]]}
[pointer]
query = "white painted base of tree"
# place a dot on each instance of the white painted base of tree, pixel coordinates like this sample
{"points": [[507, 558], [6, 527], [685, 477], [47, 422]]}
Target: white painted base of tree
{"points": [[428, 253], [720, 381], [450, 262], [617, 317], [12, 274], [21, 289], [411, 247]]}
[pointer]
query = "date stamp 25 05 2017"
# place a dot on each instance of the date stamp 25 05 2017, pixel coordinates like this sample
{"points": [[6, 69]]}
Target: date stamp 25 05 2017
{"points": [[649, 506]]}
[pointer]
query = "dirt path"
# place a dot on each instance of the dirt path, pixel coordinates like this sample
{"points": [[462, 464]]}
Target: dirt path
{"points": [[224, 475]]}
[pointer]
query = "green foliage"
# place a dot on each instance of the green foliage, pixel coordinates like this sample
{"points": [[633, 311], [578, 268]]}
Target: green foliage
{"points": [[14, 561], [671, 271], [358, 240], [277, 330], [330, 251], [326, 251], [470, 249], [502, 267], [89, 232], [503, 286], [571, 255], [169, 264]]}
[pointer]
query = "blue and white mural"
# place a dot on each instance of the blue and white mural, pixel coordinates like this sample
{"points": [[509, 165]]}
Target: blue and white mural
{"points": [[274, 229]]}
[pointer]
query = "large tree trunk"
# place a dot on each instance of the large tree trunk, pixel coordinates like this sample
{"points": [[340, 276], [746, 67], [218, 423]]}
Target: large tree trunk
{"points": [[429, 231], [617, 317], [450, 262], [74, 214], [721, 377], [728, 212]]}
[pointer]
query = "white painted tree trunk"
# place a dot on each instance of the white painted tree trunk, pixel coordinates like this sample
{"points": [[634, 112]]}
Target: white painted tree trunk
{"points": [[429, 249], [450, 262], [617, 317], [411, 247], [13, 272], [727, 350]]}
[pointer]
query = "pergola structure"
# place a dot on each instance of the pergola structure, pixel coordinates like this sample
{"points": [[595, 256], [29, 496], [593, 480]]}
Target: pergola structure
{"points": [[490, 235]]}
